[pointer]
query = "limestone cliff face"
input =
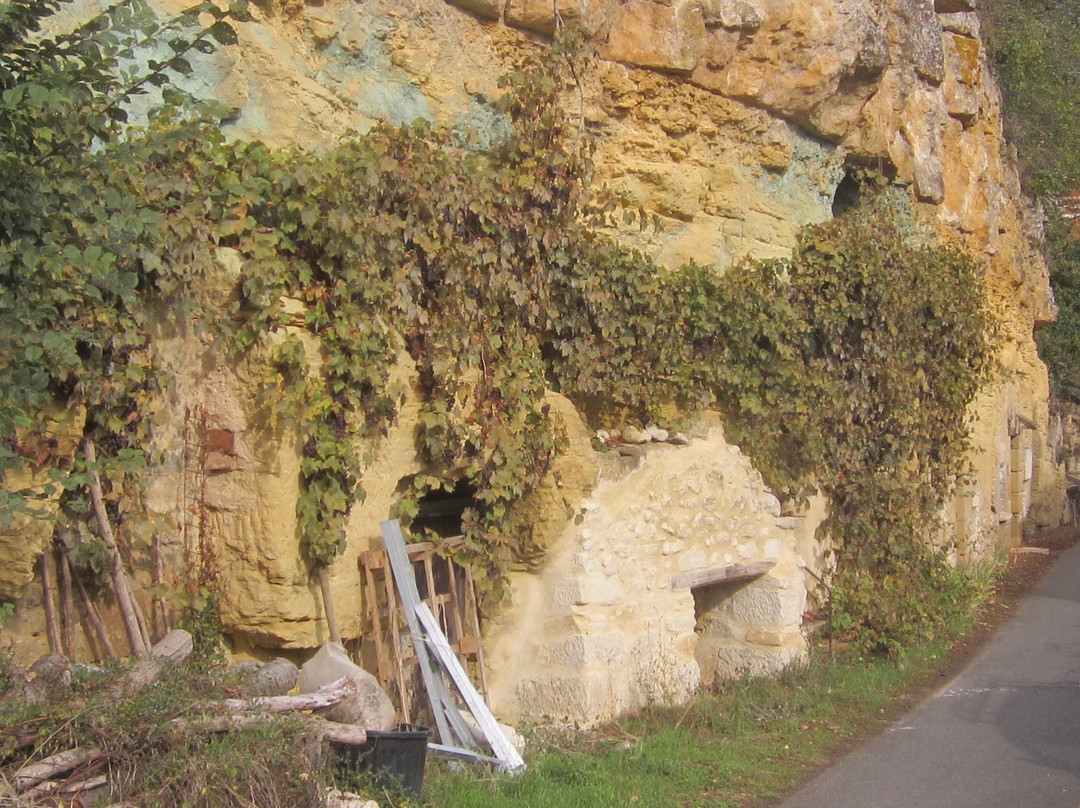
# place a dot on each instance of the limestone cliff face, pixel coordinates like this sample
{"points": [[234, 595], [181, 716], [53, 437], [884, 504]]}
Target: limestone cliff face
{"points": [[732, 124]]}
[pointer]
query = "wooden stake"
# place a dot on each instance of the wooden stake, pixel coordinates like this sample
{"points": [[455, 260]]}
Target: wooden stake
{"points": [[159, 580], [119, 577], [171, 649], [94, 618], [328, 605], [140, 618], [49, 592], [67, 605]]}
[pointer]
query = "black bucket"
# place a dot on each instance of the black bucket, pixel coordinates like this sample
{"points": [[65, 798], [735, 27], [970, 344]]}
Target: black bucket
{"points": [[394, 758]]}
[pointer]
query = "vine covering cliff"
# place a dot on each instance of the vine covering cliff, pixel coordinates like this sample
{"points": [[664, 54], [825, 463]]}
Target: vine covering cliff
{"points": [[721, 130]]}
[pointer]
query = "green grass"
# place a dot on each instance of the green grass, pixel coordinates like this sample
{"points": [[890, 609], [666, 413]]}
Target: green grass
{"points": [[746, 744]]}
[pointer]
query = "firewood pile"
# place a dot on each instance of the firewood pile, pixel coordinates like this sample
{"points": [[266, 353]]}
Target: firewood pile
{"points": [[64, 742]]}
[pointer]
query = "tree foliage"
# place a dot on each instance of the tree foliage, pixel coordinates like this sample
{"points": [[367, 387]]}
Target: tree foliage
{"points": [[1035, 49], [1059, 342]]}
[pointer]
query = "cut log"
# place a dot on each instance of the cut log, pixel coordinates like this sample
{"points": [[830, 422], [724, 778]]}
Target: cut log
{"points": [[322, 699], [173, 647], [66, 787], [46, 769], [82, 786], [339, 733], [48, 679]]}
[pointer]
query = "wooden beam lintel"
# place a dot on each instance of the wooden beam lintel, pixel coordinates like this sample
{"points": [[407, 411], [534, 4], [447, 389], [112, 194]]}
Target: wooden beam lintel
{"points": [[721, 575]]}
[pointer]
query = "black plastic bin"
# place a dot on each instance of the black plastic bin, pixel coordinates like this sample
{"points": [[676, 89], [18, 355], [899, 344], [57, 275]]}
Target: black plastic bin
{"points": [[394, 758]]}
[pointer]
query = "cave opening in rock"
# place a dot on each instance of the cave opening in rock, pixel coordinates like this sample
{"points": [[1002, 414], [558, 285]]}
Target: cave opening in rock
{"points": [[847, 194], [440, 511]]}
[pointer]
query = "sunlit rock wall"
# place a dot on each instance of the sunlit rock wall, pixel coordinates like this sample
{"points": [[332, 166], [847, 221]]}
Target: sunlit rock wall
{"points": [[630, 608], [731, 124]]}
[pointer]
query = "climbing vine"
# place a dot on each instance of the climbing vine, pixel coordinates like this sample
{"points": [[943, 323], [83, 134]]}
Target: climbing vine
{"points": [[848, 366], [78, 286]]}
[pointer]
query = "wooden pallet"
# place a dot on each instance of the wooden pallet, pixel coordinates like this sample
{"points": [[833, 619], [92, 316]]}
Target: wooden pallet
{"points": [[448, 591]]}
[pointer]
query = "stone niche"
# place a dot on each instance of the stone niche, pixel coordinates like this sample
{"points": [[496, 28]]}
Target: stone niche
{"points": [[682, 571], [748, 625]]}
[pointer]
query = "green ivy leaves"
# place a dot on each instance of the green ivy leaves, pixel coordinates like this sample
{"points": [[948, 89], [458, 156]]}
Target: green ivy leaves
{"points": [[849, 368]]}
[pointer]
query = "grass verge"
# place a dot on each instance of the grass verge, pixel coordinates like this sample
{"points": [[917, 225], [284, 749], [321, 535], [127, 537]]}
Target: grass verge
{"points": [[745, 744]]}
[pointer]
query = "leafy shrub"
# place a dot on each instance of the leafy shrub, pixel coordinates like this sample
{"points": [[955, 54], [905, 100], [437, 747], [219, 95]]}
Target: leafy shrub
{"points": [[155, 750], [1059, 342], [1034, 46]]}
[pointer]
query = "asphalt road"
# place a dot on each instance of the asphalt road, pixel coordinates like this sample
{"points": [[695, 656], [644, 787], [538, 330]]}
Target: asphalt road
{"points": [[1004, 734]]}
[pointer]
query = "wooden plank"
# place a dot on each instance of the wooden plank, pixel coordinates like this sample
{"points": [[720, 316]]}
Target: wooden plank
{"points": [[454, 752], [372, 596], [721, 575], [503, 749], [454, 615], [373, 559], [429, 578], [450, 607], [395, 645], [470, 599], [443, 709], [376, 559], [406, 586]]}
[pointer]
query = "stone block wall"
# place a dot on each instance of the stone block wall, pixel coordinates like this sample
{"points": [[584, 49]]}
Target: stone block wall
{"points": [[749, 628], [608, 625]]}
